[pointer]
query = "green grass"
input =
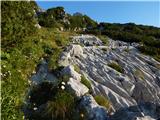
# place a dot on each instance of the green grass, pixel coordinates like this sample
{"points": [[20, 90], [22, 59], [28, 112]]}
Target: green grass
{"points": [[86, 82], [77, 68], [61, 107], [116, 67], [104, 39], [58, 104], [17, 65], [103, 101]]}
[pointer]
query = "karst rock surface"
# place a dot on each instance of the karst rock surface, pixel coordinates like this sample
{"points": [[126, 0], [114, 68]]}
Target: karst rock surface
{"points": [[138, 83]]}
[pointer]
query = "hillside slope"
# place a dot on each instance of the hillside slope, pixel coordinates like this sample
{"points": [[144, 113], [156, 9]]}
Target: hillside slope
{"points": [[52, 71]]}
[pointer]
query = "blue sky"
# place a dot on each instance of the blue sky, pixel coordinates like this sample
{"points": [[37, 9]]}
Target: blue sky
{"points": [[146, 13]]}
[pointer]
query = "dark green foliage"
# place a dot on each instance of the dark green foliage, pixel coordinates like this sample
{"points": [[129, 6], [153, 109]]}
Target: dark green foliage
{"points": [[148, 36], [41, 93], [17, 22], [55, 103], [54, 17], [61, 107]]}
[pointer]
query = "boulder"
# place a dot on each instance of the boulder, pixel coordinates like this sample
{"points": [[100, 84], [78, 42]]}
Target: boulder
{"points": [[72, 51], [76, 87], [69, 71], [75, 50], [93, 110], [43, 74], [141, 93], [143, 111]]}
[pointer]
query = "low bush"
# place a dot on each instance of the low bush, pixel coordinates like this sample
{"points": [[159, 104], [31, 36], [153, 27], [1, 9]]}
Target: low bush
{"points": [[53, 101], [61, 107]]}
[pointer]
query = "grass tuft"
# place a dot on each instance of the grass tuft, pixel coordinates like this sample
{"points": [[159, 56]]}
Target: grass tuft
{"points": [[77, 68], [116, 67], [103, 101], [86, 82]]}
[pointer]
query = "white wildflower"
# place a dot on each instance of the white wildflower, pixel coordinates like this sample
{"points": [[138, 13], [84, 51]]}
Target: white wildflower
{"points": [[35, 108], [62, 87], [63, 83], [82, 115], [34, 72], [29, 81]]}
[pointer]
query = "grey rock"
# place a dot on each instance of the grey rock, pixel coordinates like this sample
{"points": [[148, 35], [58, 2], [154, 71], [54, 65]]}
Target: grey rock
{"points": [[43, 74], [138, 83], [94, 111], [76, 87], [143, 111], [69, 71]]}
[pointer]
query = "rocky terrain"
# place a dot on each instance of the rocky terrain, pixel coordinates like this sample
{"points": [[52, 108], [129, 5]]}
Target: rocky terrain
{"points": [[134, 92]]}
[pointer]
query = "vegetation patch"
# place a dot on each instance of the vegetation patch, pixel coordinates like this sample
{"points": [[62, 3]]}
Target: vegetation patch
{"points": [[104, 39], [103, 101], [86, 82], [53, 101], [77, 68], [19, 62], [61, 107], [139, 74], [116, 67]]}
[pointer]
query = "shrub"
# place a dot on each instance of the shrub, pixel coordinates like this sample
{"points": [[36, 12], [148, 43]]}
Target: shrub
{"points": [[18, 21], [54, 102], [103, 101], [53, 62], [61, 107], [41, 93], [116, 67], [86, 82]]}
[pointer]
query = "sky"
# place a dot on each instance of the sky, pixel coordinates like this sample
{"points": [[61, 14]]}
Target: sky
{"points": [[143, 12]]}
